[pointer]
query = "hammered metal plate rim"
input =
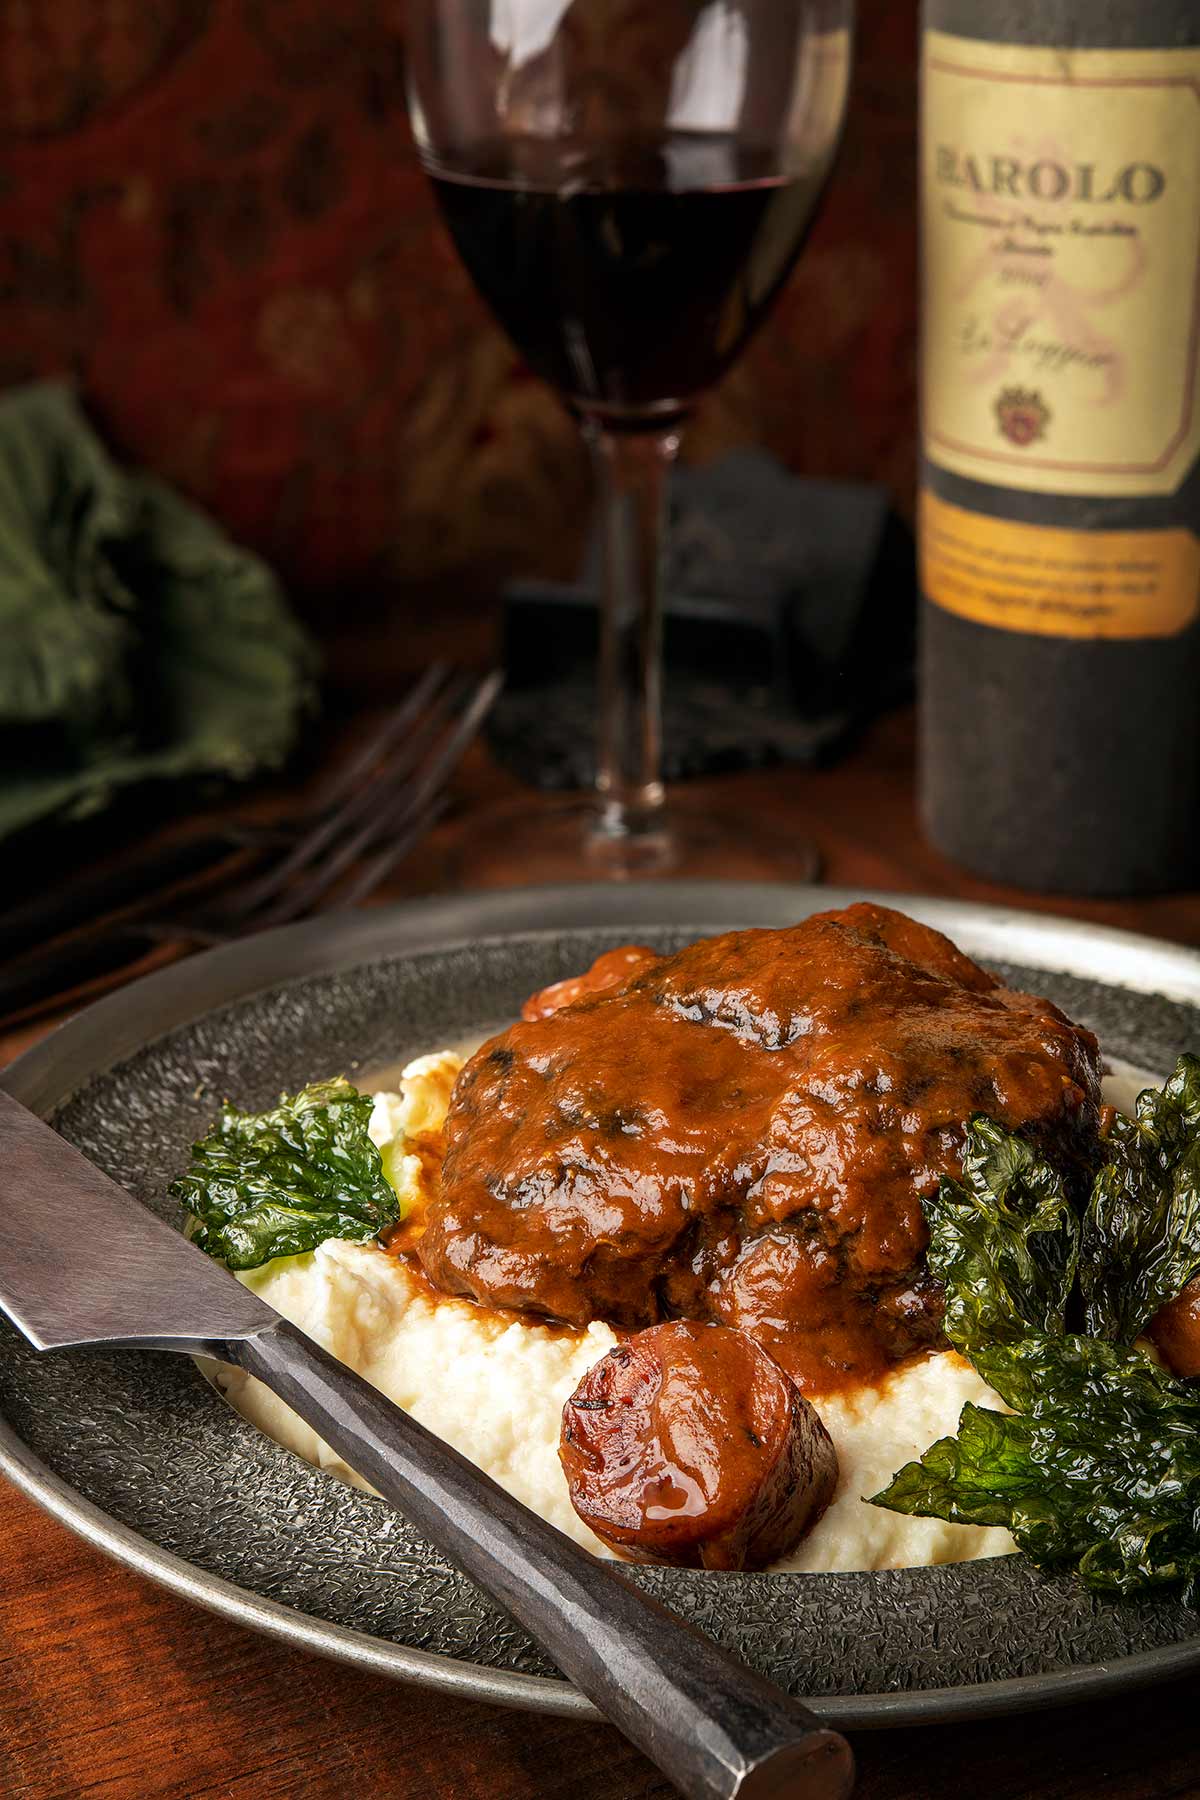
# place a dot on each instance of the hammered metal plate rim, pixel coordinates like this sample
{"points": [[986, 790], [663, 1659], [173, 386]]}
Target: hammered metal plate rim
{"points": [[109, 1031]]}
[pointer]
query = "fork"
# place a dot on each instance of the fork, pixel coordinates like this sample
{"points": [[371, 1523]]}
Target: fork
{"points": [[162, 867], [393, 806]]}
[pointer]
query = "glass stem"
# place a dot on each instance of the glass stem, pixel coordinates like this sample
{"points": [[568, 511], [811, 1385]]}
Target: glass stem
{"points": [[631, 471]]}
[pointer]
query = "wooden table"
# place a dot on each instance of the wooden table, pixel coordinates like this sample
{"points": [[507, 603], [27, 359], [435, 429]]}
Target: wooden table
{"points": [[111, 1689]]}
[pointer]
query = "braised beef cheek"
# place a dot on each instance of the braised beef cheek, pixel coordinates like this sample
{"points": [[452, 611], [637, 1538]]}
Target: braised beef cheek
{"points": [[743, 1131]]}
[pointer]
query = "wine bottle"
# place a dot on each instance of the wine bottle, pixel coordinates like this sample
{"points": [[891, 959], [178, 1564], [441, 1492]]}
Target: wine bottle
{"points": [[1060, 502]]}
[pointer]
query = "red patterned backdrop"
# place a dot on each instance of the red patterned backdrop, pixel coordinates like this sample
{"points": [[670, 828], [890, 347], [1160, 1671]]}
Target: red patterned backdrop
{"points": [[211, 214]]}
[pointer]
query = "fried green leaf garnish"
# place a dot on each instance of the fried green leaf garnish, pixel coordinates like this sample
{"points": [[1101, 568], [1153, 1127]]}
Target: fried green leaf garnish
{"points": [[1097, 1467], [279, 1183], [1004, 1241], [1141, 1233], [1100, 1467]]}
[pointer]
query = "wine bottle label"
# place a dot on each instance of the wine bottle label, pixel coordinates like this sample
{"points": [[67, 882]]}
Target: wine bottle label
{"points": [[1061, 218], [1058, 583]]}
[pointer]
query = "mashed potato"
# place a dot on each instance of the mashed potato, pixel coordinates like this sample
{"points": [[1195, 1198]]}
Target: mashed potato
{"points": [[494, 1387], [493, 1390]]}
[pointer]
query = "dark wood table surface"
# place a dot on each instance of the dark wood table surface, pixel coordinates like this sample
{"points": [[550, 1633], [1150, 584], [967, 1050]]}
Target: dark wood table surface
{"points": [[110, 1688]]}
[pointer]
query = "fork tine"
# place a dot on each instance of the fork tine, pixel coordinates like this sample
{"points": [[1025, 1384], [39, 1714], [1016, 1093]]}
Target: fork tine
{"points": [[412, 800], [404, 808], [426, 793], [394, 726], [142, 877], [264, 898], [381, 865], [326, 829]]}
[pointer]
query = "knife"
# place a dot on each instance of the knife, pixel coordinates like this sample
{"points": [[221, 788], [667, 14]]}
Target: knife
{"points": [[716, 1728]]}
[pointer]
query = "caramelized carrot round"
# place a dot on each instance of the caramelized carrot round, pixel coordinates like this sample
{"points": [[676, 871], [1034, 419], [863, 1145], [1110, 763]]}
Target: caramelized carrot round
{"points": [[1176, 1331], [689, 1445]]}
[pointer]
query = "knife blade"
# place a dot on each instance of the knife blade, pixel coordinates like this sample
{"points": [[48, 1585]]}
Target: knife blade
{"points": [[83, 1263]]}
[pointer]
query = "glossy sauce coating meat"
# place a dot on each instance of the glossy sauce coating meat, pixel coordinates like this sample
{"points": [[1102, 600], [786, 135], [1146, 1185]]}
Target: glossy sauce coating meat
{"points": [[743, 1132], [611, 970], [689, 1445]]}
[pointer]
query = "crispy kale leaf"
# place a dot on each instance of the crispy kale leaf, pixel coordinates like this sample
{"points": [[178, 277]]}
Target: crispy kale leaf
{"points": [[280, 1182], [1097, 1467], [1003, 1241], [1141, 1233], [1100, 1467]]}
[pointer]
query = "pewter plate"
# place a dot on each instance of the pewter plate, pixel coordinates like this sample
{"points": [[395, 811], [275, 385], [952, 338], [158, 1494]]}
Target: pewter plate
{"points": [[133, 1451]]}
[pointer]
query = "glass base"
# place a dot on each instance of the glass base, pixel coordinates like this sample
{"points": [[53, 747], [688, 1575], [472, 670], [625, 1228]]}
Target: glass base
{"points": [[522, 845]]}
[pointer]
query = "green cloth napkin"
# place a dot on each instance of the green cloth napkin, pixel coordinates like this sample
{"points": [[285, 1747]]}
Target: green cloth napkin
{"points": [[136, 641]]}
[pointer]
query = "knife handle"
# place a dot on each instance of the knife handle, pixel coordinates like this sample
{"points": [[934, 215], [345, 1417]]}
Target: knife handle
{"points": [[715, 1728]]}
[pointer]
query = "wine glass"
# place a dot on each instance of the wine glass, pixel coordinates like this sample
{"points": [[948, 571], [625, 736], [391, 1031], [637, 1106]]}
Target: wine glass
{"points": [[629, 183]]}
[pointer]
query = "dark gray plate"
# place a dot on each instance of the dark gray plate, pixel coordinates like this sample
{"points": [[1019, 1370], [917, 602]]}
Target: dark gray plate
{"points": [[133, 1451]]}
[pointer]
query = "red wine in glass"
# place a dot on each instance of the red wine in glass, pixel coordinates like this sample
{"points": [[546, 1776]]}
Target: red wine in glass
{"points": [[630, 275], [628, 182]]}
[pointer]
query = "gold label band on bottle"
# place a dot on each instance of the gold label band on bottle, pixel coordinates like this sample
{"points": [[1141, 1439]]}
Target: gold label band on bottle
{"points": [[1057, 583], [1061, 226]]}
